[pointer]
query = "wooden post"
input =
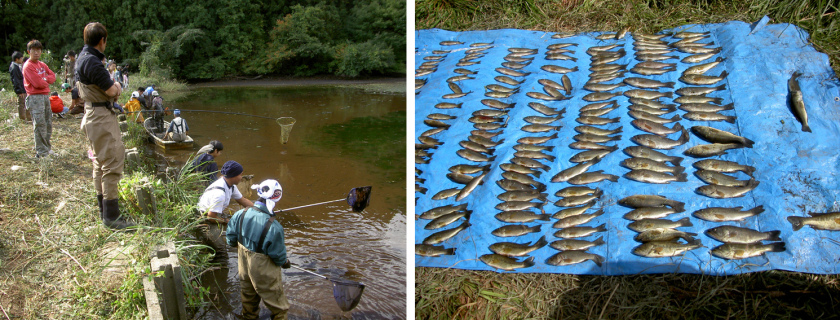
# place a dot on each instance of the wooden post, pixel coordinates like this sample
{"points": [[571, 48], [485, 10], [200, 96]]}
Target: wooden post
{"points": [[145, 197]]}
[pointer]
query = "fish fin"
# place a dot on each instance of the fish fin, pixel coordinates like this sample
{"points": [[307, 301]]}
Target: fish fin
{"points": [[814, 214], [602, 227], [599, 241], [676, 160], [541, 243], [685, 222], [777, 247], [669, 85], [537, 174], [717, 100], [797, 222], [684, 137], [806, 128], [597, 259], [682, 177], [748, 143], [529, 262], [774, 235], [757, 210]]}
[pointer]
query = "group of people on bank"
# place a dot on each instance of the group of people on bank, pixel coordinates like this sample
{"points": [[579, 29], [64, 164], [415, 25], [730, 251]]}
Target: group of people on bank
{"points": [[254, 230]]}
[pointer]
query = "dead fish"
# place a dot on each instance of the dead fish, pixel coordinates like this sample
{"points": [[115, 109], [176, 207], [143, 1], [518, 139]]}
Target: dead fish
{"points": [[535, 128], [455, 88], [515, 65], [490, 113], [512, 73], [592, 177], [648, 153], [664, 235], [518, 216], [723, 192], [690, 91], [708, 116], [444, 194], [567, 84], [661, 249], [733, 234], [541, 108], [484, 119], [647, 94], [574, 211], [534, 155], [432, 251], [597, 131], [498, 95], [599, 105], [650, 71], [500, 88], [542, 120], [565, 258], [706, 107], [656, 65], [797, 103], [710, 150], [508, 80], [654, 57], [470, 187], [444, 235], [602, 87], [649, 213], [698, 99], [543, 96], [429, 141], [652, 118], [656, 142], [519, 169], [720, 214], [596, 120], [436, 123], [700, 57], [648, 200], [652, 111], [558, 69], [703, 68], [496, 104], [515, 230], [579, 232], [595, 138], [511, 185], [550, 83], [447, 219], [724, 166], [484, 141], [656, 128], [559, 56], [512, 249], [522, 195], [505, 263], [717, 178], [651, 224], [440, 116], [576, 245], [459, 78], [590, 155], [418, 188], [530, 163], [651, 103], [573, 171], [431, 132], [574, 201], [450, 43], [459, 177], [554, 92], [650, 176], [648, 164], [465, 71], [576, 220], [600, 96], [698, 49], [699, 79], [577, 191], [645, 83], [734, 251], [523, 178], [818, 221], [474, 156], [536, 139], [586, 145], [448, 105], [485, 134]]}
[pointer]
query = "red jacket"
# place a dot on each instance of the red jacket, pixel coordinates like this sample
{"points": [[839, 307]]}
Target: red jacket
{"points": [[34, 74], [56, 104]]}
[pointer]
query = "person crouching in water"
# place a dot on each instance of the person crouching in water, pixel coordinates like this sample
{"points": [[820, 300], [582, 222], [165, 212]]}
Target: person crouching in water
{"points": [[213, 203], [261, 251], [178, 128]]}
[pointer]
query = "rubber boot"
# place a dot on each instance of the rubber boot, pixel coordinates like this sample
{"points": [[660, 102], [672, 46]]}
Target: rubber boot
{"points": [[111, 215], [99, 200]]}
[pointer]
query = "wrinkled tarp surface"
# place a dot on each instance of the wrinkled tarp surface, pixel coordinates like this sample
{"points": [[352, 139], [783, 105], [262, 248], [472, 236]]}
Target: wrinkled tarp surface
{"points": [[797, 170]]}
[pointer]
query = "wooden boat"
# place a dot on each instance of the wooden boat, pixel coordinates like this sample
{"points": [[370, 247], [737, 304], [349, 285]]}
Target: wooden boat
{"points": [[158, 137]]}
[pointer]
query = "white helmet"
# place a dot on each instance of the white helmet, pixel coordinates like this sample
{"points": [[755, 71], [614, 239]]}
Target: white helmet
{"points": [[135, 95], [154, 93], [269, 189]]}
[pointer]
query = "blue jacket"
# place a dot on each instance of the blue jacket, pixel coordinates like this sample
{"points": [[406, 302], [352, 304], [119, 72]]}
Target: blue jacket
{"points": [[252, 227]]}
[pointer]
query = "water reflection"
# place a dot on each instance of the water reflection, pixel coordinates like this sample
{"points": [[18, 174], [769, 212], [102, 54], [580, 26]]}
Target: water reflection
{"points": [[343, 138]]}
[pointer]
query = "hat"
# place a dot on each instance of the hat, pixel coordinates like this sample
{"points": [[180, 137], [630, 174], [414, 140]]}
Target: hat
{"points": [[65, 86], [154, 93], [231, 169], [269, 189], [135, 95], [176, 112]]}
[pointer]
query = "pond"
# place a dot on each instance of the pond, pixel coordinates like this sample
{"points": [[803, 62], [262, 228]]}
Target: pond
{"points": [[345, 136]]}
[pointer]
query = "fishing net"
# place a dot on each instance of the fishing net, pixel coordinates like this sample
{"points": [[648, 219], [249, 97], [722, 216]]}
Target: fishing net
{"points": [[347, 293], [359, 198], [286, 124]]}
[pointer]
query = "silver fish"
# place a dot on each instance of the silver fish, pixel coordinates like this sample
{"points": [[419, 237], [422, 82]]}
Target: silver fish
{"points": [[661, 249], [734, 251], [565, 258], [652, 118], [650, 176], [574, 201], [699, 79], [590, 155], [602, 87], [703, 68], [520, 169], [649, 213], [700, 57], [648, 200], [596, 120], [559, 56], [664, 235], [586, 145], [706, 107], [512, 73], [436, 123], [540, 128], [647, 94], [496, 104], [689, 91], [444, 235], [484, 141], [500, 88], [440, 116], [518, 216], [652, 111], [530, 163], [577, 220], [572, 211], [597, 131], [648, 153], [542, 120], [650, 71], [592, 177], [510, 185], [447, 193], [717, 178], [651, 103], [522, 195], [579, 232], [474, 156], [656, 128], [595, 138], [733, 234], [447, 219], [648, 164], [573, 171], [710, 150], [541, 108], [512, 249], [724, 166], [558, 69], [656, 142], [650, 224], [508, 80], [470, 187], [465, 71], [797, 103], [543, 96], [600, 96], [576, 245], [518, 205], [708, 116], [448, 105], [450, 43], [722, 192], [532, 148], [645, 83], [533, 155], [720, 214], [432, 251], [698, 99], [515, 230], [818, 221], [536, 139], [505, 263], [431, 132], [567, 84]]}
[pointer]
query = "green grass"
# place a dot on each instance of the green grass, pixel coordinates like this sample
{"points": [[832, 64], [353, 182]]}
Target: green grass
{"points": [[818, 17]]}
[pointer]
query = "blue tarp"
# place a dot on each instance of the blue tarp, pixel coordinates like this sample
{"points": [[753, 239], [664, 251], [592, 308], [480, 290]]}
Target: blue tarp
{"points": [[797, 170]]}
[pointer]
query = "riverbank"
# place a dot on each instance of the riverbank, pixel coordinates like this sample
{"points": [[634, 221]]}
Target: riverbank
{"points": [[389, 84]]}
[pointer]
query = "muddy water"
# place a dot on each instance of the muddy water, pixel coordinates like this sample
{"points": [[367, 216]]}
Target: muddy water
{"points": [[344, 137]]}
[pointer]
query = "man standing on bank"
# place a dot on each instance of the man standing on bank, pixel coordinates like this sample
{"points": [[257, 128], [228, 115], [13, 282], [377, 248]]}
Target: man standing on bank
{"points": [[100, 123], [261, 251]]}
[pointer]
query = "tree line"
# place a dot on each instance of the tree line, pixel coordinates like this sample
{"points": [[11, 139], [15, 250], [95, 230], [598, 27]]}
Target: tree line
{"points": [[197, 40]]}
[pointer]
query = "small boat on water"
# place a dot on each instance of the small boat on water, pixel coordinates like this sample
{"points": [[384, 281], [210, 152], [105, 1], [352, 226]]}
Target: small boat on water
{"points": [[158, 137]]}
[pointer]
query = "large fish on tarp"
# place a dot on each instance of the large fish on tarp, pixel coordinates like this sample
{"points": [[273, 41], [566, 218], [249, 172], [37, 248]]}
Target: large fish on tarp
{"points": [[505, 263], [819, 221], [797, 105]]}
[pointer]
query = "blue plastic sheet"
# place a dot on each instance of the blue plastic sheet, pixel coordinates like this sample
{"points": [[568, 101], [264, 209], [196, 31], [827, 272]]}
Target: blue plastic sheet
{"points": [[797, 170]]}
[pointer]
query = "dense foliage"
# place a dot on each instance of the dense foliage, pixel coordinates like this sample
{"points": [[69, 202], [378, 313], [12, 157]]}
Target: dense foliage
{"points": [[213, 39]]}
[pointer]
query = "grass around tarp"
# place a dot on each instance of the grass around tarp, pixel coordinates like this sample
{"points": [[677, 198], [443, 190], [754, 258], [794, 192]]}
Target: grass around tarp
{"points": [[465, 294]]}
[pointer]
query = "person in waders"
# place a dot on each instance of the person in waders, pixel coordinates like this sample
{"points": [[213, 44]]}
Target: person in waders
{"points": [[178, 128], [100, 124], [214, 201], [261, 250]]}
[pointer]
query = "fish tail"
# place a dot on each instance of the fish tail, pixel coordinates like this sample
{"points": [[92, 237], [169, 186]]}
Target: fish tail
{"points": [[541, 243], [598, 193], [450, 251], [544, 217], [777, 247], [678, 206], [491, 159], [685, 222], [542, 196], [678, 127], [806, 128], [749, 170], [669, 84], [574, 59], [613, 178], [669, 94], [682, 177], [695, 242], [551, 148], [717, 100], [601, 228], [684, 137], [541, 188], [599, 241], [553, 136], [720, 87], [613, 148], [676, 118], [537, 228], [757, 210], [679, 170], [774, 235], [597, 259], [797, 222], [529, 262], [730, 106], [731, 119], [551, 158], [748, 143], [575, 68], [458, 105], [724, 74], [598, 213], [537, 174]]}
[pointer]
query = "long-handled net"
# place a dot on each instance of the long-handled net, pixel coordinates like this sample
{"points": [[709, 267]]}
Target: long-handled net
{"points": [[286, 124], [346, 293]]}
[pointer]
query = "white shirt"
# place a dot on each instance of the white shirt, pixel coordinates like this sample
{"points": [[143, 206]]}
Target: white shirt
{"points": [[216, 200]]}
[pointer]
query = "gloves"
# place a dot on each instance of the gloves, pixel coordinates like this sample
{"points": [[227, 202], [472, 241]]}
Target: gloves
{"points": [[286, 265]]}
